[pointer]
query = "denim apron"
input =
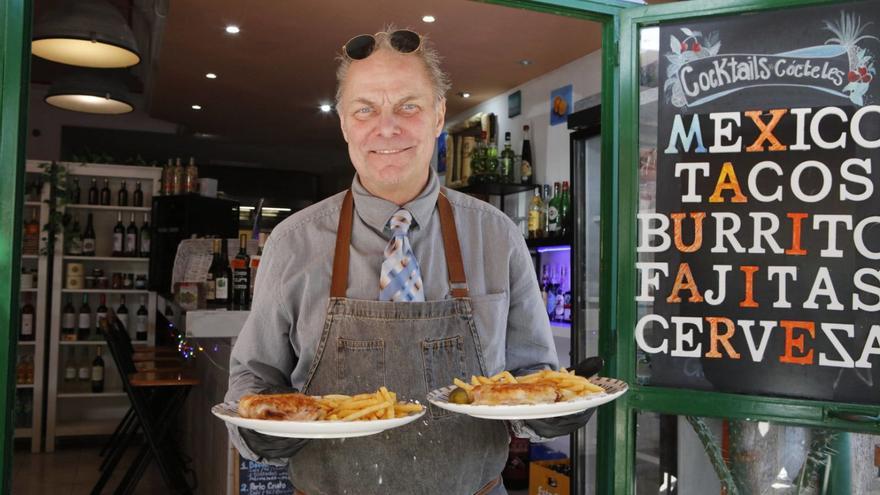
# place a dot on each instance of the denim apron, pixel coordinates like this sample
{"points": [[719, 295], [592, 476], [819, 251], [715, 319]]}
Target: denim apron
{"points": [[411, 348]]}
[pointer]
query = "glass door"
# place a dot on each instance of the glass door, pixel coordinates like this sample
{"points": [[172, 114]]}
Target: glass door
{"points": [[748, 320]]}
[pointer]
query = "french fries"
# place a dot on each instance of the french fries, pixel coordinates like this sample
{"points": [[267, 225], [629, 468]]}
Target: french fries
{"points": [[380, 404], [568, 385]]}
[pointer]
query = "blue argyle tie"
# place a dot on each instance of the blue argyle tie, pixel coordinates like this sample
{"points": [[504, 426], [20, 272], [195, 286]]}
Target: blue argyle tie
{"points": [[400, 279]]}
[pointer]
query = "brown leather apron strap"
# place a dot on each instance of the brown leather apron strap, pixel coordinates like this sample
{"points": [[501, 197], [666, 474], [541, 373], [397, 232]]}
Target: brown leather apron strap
{"points": [[482, 491], [339, 281], [454, 264]]}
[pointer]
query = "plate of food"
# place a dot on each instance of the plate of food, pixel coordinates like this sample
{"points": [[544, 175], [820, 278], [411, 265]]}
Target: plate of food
{"points": [[545, 394], [329, 416]]}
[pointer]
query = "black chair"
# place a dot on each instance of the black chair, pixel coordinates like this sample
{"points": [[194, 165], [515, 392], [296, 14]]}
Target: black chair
{"points": [[156, 398]]}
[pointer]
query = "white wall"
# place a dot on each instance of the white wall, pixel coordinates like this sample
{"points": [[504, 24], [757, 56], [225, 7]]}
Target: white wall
{"points": [[49, 120]]}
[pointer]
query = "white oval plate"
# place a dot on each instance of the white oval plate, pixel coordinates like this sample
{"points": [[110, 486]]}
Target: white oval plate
{"points": [[310, 429], [613, 389]]}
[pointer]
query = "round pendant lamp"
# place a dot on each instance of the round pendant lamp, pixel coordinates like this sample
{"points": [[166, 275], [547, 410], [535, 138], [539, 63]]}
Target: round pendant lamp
{"points": [[85, 33], [90, 93]]}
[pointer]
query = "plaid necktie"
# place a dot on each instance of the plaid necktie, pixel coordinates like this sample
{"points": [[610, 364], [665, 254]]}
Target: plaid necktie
{"points": [[400, 279]]}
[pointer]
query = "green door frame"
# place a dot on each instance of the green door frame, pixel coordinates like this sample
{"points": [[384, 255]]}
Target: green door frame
{"points": [[15, 25]]}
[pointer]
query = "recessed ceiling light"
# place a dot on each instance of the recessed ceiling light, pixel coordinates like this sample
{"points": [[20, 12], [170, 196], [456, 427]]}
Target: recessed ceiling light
{"points": [[196, 107], [525, 61], [232, 29], [326, 108], [464, 94], [428, 18], [211, 75]]}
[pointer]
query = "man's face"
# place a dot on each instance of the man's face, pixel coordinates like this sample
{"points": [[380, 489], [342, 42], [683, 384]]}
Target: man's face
{"points": [[390, 120]]}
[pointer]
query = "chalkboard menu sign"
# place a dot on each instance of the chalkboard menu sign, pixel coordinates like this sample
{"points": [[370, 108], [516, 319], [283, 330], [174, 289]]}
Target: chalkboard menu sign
{"points": [[262, 479], [759, 265]]}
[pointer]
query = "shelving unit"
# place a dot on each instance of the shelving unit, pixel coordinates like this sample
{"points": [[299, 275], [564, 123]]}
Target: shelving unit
{"points": [[29, 397], [71, 408]]}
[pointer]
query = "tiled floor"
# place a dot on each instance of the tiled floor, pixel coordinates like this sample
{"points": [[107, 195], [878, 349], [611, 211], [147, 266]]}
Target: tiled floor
{"points": [[73, 471]]}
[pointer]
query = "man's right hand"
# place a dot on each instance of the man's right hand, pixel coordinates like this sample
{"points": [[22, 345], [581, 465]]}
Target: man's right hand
{"points": [[270, 447]]}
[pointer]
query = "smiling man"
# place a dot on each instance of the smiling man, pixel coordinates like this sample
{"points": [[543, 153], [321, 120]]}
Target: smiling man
{"points": [[396, 282]]}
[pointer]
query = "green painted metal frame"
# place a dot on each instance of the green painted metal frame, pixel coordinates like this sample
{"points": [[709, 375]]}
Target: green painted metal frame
{"points": [[677, 401], [15, 23]]}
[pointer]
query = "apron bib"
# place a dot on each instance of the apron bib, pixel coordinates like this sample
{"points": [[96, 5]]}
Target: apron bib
{"points": [[411, 348]]}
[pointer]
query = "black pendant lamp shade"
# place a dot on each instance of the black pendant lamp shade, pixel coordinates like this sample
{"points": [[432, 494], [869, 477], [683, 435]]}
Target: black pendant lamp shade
{"points": [[90, 91], [86, 33]]}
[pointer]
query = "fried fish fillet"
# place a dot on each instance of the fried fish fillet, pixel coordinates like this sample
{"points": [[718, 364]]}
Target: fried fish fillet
{"points": [[290, 407], [515, 393]]}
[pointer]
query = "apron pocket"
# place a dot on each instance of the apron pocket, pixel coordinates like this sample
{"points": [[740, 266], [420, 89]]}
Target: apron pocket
{"points": [[360, 365], [444, 361]]}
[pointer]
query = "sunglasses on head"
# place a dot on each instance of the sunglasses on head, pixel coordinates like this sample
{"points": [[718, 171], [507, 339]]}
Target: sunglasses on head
{"points": [[361, 46]]}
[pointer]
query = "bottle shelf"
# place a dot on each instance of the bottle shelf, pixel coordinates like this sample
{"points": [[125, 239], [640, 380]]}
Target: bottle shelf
{"points": [[105, 291], [24, 385], [495, 189], [96, 342], [87, 395], [145, 209], [549, 242], [107, 258]]}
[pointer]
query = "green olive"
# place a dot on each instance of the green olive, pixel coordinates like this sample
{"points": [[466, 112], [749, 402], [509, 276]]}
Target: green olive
{"points": [[459, 396]]}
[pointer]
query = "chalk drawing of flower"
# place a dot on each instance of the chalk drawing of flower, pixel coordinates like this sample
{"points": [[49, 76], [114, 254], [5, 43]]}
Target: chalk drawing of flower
{"points": [[848, 32], [692, 46]]}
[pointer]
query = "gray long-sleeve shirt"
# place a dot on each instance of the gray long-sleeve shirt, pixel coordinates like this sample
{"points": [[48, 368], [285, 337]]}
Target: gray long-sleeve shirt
{"points": [[277, 344]]}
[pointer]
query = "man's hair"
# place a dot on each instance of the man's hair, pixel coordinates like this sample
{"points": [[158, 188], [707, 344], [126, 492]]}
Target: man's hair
{"points": [[426, 53]]}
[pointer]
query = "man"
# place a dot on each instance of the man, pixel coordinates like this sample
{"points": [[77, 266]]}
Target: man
{"points": [[397, 282]]}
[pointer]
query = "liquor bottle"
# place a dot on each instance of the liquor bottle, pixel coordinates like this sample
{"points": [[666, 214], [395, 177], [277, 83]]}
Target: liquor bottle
{"points": [[191, 177], [88, 238], [68, 321], [100, 313], [84, 370], [70, 366], [508, 157], [31, 240], [536, 220], [241, 277], [140, 328], [74, 194], [527, 166], [26, 327], [492, 162], [210, 283], [168, 179], [222, 275], [145, 237], [553, 212], [559, 309], [122, 313], [138, 195], [118, 236], [75, 240], [93, 192], [84, 327], [178, 178], [105, 193], [131, 239], [255, 261], [97, 374], [564, 211], [122, 195], [546, 209]]}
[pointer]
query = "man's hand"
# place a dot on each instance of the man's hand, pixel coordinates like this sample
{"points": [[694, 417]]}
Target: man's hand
{"points": [[563, 425]]}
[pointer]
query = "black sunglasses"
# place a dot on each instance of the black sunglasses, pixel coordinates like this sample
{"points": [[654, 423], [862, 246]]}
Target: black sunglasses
{"points": [[361, 46]]}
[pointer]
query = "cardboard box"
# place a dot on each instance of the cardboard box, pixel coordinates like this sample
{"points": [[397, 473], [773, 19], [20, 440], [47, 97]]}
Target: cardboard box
{"points": [[545, 481]]}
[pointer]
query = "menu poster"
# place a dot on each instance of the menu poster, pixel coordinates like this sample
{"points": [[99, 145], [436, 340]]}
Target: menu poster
{"points": [[759, 267], [262, 479]]}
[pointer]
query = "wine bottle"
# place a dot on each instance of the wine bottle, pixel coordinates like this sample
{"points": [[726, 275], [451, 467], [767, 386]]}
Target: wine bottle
{"points": [[73, 195], [564, 211], [93, 192], [138, 196], [241, 277], [122, 313], [210, 283], [100, 313], [26, 328], [527, 166], [84, 326], [178, 177], [145, 237], [70, 366], [31, 240], [122, 195], [131, 238], [222, 278], [506, 161], [75, 240], [97, 374], [118, 236], [68, 321], [191, 177], [140, 329], [88, 238], [84, 371], [105, 193]]}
